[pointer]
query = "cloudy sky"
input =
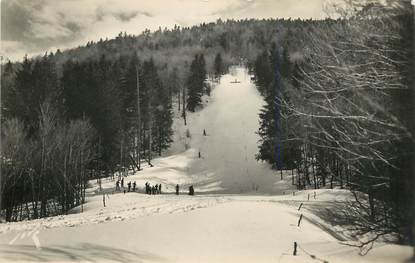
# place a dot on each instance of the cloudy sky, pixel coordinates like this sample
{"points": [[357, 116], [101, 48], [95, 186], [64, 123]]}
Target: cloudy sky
{"points": [[35, 26]]}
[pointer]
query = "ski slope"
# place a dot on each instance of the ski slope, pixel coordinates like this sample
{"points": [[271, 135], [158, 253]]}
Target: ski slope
{"points": [[232, 218], [231, 121], [227, 163]]}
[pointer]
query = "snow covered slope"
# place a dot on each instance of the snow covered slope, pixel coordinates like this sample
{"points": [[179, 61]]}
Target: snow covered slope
{"points": [[166, 228], [224, 227], [227, 163], [231, 122]]}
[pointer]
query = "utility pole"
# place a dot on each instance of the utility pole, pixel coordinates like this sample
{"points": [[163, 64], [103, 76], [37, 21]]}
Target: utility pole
{"points": [[150, 124], [1, 128], [121, 155], [138, 136], [413, 112], [184, 105]]}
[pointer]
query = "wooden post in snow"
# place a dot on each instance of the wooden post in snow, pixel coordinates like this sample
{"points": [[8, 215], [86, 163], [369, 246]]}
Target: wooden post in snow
{"points": [[295, 249], [299, 220]]}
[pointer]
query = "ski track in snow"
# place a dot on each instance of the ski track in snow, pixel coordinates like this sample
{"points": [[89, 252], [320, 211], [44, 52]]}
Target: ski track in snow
{"points": [[124, 208], [32, 234], [36, 239]]}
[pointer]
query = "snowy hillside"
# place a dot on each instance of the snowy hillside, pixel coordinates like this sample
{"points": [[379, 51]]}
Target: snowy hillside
{"points": [[230, 120], [230, 219], [227, 163]]}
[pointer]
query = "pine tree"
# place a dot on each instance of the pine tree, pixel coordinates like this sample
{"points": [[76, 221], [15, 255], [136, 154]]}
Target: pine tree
{"points": [[263, 72], [157, 114], [162, 115], [218, 65], [34, 83], [129, 92], [202, 69], [196, 82], [174, 85], [268, 125], [8, 90], [109, 112], [276, 126]]}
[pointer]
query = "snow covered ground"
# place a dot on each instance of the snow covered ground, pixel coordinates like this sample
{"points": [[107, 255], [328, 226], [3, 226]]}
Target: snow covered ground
{"points": [[235, 216], [135, 227]]}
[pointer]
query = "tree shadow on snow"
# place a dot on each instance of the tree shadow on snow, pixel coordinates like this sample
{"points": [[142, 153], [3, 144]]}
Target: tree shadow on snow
{"points": [[344, 215], [83, 252]]}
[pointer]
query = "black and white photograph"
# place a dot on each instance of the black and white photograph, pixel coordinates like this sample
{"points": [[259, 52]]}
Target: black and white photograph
{"points": [[207, 131]]}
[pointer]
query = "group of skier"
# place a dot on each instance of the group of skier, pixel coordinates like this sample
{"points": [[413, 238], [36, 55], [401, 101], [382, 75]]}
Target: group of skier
{"points": [[120, 184], [152, 190], [191, 190]]}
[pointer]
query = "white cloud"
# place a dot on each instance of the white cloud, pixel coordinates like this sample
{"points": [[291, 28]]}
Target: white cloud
{"points": [[66, 23], [15, 50]]}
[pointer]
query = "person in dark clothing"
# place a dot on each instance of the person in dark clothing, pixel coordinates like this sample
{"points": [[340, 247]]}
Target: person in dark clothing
{"points": [[117, 185], [159, 188], [204, 132], [200, 155], [129, 186], [134, 185], [147, 188], [191, 190], [122, 182], [177, 189], [153, 190]]}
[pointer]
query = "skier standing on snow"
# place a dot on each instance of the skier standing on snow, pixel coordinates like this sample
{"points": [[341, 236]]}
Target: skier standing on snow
{"points": [[159, 188], [117, 185], [122, 182], [177, 189], [129, 186], [204, 132], [134, 184], [191, 190]]}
